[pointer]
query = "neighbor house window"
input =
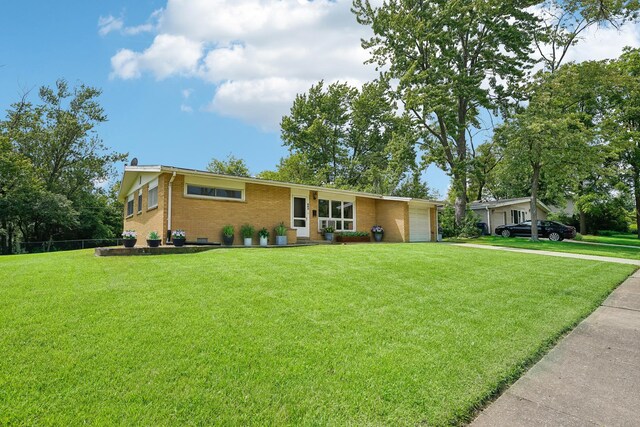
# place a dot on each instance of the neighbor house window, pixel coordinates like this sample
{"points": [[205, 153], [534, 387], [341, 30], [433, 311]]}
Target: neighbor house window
{"points": [[152, 195], [337, 214], [221, 193], [518, 216], [140, 201], [130, 205]]}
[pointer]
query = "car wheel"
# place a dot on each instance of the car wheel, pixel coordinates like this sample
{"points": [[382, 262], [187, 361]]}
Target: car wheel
{"points": [[554, 236], [505, 233]]}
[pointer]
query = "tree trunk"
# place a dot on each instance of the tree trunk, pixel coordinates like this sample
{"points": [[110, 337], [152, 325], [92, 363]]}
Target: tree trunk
{"points": [[583, 222], [636, 195], [535, 181], [460, 191]]}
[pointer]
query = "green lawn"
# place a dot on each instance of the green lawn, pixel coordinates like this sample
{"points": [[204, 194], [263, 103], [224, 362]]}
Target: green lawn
{"points": [[616, 239], [328, 335], [546, 245]]}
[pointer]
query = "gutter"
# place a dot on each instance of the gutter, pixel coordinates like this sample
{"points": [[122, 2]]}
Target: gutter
{"points": [[169, 207]]}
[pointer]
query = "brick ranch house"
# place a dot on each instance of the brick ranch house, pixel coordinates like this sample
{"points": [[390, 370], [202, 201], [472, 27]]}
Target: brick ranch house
{"points": [[165, 198]]}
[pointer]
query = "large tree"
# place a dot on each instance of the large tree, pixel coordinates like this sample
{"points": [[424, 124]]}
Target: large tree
{"points": [[57, 143], [622, 122], [451, 59], [553, 140], [349, 138]]}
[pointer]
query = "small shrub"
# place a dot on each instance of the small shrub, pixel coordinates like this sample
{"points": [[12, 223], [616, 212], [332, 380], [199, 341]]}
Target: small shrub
{"points": [[281, 229], [468, 228], [329, 229], [354, 233], [578, 237], [154, 235], [228, 230], [246, 231]]}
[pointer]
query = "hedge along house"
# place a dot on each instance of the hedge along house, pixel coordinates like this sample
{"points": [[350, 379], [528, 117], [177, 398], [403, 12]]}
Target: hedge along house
{"points": [[166, 198]]}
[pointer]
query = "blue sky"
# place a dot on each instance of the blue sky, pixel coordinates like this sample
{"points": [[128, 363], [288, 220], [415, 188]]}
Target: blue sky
{"points": [[187, 80]]}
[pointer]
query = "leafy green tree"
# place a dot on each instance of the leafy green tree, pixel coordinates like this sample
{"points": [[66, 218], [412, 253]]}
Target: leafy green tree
{"points": [[451, 59], [230, 166], [294, 168], [622, 121], [62, 160], [554, 134], [351, 138]]}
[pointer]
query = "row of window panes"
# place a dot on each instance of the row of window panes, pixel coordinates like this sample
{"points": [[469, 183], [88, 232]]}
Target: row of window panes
{"points": [[197, 190], [337, 225], [518, 216], [335, 209], [335, 213]]}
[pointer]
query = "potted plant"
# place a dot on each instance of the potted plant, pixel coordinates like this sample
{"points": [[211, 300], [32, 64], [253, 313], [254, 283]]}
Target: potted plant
{"points": [[153, 241], [281, 234], [130, 238], [377, 231], [264, 236], [227, 234], [178, 238], [328, 233], [246, 231]]}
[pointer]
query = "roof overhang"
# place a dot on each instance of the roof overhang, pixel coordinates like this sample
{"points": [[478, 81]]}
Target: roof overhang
{"points": [[131, 172]]}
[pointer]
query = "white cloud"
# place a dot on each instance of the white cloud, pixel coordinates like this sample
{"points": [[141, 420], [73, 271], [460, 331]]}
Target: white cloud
{"points": [[186, 108], [107, 24], [168, 55], [258, 54]]}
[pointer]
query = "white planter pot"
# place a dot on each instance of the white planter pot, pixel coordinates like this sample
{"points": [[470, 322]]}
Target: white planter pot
{"points": [[281, 240], [248, 241], [264, 241]]}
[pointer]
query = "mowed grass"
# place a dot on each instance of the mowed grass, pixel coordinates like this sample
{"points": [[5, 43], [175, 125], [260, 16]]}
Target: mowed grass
{"points": [[398, 334], [616, 239], [564, 246]]}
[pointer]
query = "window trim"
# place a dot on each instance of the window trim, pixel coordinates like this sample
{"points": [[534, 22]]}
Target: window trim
{"points": [[217, 187], [331, 220], [130, 198], [139, 201]]}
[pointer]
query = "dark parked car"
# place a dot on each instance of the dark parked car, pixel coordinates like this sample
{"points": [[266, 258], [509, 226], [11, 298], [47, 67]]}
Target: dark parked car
{"points": [[551, 229]]}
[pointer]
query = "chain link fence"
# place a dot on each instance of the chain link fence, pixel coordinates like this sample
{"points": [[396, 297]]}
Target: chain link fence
{"points": [[65, 245]]}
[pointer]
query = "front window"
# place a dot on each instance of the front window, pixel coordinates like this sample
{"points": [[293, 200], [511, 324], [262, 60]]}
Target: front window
{"points": [[517, 216], [224, 193], [337, 214]]}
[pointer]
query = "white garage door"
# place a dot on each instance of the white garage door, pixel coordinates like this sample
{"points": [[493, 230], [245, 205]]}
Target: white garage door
{"points": [[419, 224]]}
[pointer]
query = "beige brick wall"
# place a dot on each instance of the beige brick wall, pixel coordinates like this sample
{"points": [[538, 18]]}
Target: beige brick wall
{"points": [[365, 214], [149, 219], [393, 216], [264, 206]]}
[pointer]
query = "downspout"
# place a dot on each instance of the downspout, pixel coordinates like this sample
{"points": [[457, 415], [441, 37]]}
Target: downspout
{"points": [[169, 207]]}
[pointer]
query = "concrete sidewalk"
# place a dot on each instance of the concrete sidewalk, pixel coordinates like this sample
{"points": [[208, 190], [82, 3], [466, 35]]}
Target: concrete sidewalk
{"points": [[550, 253], [592, 377]]}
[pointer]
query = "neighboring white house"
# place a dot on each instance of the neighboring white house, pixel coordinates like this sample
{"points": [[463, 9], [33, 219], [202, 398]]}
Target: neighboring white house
{"points": [[506, 211]]}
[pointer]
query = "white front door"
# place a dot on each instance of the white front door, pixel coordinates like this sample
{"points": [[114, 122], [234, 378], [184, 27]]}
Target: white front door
{"points": [[300, 215]]}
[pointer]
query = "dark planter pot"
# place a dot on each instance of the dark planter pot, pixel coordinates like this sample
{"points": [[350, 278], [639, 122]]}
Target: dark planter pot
{"points": [[178, 241], [227, 240], [347, 239], [378, 237], [153, 243], [129, 243]]}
